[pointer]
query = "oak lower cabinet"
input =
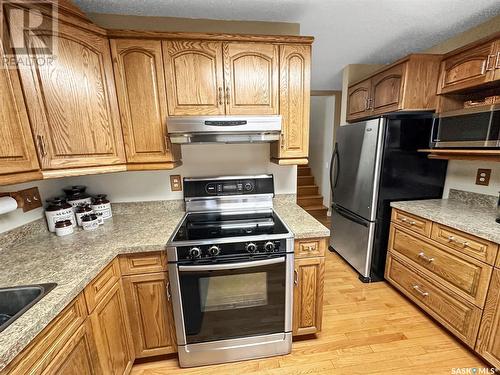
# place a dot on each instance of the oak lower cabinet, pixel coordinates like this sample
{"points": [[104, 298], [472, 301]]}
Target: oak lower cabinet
{"points": [[294, 105], [141, 91], [18, 160], [309, 274], [150, 313], [71, 99], [488, 341], [408, 84]]}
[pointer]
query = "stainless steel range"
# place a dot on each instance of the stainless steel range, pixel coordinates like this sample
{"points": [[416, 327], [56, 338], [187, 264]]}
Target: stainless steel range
{"points": [[231, 272]]}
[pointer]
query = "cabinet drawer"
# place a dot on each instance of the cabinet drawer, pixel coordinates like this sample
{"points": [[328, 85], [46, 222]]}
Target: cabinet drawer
{"points": [[97, 289], [465, 243], [313, 247], [459, 316], [134, 264], [465, 275], [415, 223], [46, 346]]}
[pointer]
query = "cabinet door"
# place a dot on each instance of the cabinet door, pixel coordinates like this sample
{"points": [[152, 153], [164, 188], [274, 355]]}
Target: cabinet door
{"points": [[194, 72], [17, 151], [357, 100], [72, 100], [150, 313], [112, 332], [467, 69], [140, 84], [295, 68], [309, 276], [496, 76], [488, 341], [387, 88], [78, 356], [251, 78]]}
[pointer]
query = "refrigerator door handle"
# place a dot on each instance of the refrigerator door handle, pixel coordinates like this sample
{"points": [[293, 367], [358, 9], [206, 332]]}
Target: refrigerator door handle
{"points": [[334, 160], [350, 216]]}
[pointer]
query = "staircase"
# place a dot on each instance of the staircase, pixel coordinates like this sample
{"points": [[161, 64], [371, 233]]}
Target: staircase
{"points": [[308, 196]]}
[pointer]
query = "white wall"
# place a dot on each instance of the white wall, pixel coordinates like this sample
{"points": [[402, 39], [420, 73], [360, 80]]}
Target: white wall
{"points": [[321, 142], [199, 160], [461, 175]]}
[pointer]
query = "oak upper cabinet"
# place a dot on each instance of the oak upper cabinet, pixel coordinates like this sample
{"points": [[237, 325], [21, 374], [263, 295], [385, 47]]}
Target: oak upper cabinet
{"points": [[17, 151], [294, 103], [488, 341], [358, 97], [251, 73], [469, 67], [140, 84], [386, 90], [150, 312], [195, 82], [71, 99], [112, 331]]}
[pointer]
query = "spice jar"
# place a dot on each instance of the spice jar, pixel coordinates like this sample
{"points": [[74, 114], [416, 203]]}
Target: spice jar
{"points": [[80, 211], [90, 222], [64, 227], [58, 210], [76, 195], [102, 207]]}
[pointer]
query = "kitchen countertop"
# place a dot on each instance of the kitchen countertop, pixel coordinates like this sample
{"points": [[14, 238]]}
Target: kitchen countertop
{"points": [[464, 212], [32, 255]]}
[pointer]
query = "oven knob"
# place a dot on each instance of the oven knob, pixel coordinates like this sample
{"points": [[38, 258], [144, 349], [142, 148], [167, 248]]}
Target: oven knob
{"points": [[194, 252], [251, 247], [214, 250], [269, 246]]}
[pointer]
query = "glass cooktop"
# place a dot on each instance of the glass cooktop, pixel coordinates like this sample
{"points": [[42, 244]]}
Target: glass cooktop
{"points": [[210, 225]]}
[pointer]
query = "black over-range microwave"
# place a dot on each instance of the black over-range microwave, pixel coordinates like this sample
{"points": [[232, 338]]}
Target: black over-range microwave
{"points": [[474, 128]]}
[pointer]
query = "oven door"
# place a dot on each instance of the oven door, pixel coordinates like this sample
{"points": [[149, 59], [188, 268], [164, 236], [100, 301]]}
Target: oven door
{"points": [[232, 300]]}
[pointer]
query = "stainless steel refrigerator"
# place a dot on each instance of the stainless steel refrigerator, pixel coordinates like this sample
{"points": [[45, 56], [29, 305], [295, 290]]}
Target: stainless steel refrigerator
{"points": [[375, 162]]}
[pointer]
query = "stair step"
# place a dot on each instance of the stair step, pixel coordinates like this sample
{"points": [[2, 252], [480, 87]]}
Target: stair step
{"points": [[304, 171], [316, 209], [310, 200], [300, 166], [307, 190], [305, 180]]}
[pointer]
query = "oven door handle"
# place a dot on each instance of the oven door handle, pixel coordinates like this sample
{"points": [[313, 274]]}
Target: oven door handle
{"points": [[232, 266]]}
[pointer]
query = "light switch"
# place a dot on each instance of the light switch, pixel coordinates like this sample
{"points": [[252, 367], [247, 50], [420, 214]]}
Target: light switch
{"points": [[176, 183], [483, 177]]}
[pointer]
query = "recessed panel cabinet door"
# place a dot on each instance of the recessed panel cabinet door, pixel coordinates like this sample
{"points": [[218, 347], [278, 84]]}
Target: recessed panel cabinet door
{"points": [[72, 101], [295, 61], [488, 340], [357, 100], [17, 150], [140, 85], [309, 276], [150, 312], [194, 73], [251, 76], [387, 90]]}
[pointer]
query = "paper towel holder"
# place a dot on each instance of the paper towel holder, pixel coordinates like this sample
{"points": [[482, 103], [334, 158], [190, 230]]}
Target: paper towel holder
{"points": [[27, 199]]}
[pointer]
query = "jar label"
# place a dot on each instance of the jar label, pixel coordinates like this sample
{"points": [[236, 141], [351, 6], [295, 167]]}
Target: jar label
{"points": [[103, 210], [54, 216]]}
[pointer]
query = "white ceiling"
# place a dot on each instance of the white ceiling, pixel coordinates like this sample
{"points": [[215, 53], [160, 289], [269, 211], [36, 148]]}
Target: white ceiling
{"points": [[346, 31]]}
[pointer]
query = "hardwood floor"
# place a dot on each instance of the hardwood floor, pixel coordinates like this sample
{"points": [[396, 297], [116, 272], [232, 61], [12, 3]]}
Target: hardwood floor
{"points": [[367, 329]]}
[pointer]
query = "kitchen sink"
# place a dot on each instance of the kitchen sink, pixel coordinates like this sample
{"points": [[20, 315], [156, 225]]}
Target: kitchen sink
{"points": [[15, 301]]}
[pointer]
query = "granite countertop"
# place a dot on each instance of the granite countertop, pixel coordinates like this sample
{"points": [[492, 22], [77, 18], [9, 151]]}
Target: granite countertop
{"points": [[32, 255], [467, 212]]}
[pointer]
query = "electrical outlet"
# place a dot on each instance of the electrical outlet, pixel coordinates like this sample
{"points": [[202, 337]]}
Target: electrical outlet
{"points": [[176, 183], [31, 199], [483, 177]]}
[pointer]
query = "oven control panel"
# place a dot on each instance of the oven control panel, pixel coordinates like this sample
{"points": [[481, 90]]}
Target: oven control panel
{"points": [[229, 250], [206, 187], [236, 187]]}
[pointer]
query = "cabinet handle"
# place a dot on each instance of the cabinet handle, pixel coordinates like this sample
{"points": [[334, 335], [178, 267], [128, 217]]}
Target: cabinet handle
{"points": [[282, 141], [487, 65], [461, 243], [41, 145], [221, 102], [420, 291], [406, 221], [367, 105], [227, 95], [167, 145], [497, 61], [422, 255], [296, 277], [167, 287]]}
